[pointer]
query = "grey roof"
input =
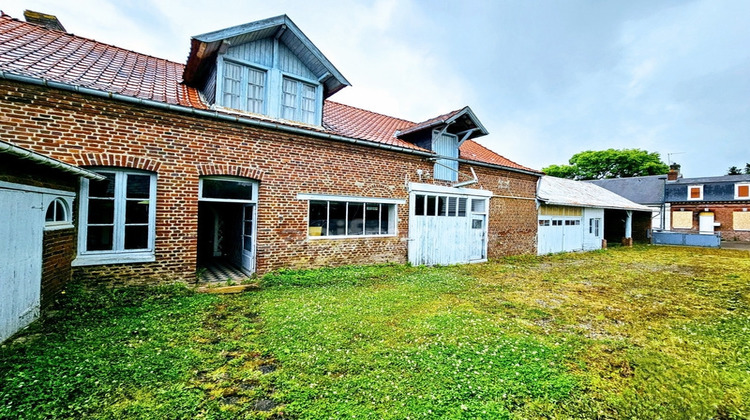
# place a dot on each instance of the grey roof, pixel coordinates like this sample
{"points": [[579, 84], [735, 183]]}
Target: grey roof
{"points": [[566, 192], [640, 189], [711, 179]]}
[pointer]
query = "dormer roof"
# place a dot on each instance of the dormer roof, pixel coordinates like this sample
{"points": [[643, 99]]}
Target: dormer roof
{"points": [[462, 122], [203, 50]]}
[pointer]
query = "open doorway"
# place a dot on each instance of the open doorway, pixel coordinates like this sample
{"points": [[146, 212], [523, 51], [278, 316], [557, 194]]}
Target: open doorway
{"points": [[226, 228]]}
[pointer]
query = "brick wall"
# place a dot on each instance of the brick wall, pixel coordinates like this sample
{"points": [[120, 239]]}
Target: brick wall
{"points": [[723, 214], [89, 131]]}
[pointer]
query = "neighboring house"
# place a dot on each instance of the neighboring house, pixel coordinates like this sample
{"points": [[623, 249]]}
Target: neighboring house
{"points": [[573, 215], [239, 158], [38, 235], [711, 204], [645, 190]]}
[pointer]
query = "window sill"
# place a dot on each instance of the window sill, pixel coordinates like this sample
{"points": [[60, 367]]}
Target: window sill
{"points": [[57, 226], [115, 258]]}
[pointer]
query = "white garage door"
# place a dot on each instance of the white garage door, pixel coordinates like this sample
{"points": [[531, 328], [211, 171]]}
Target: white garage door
{"points": [[447, 225], [20, 258], [559, 234]]}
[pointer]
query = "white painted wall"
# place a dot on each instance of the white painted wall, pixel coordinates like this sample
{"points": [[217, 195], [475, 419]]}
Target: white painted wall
{"points": [[590, 239]]}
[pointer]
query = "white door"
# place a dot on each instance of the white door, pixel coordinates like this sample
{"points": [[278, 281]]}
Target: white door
{"points": [[248, 238], [477, 237], [20, 259]]}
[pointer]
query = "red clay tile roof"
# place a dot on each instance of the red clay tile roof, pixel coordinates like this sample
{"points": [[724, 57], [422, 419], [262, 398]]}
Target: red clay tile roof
{"points": [[472, 150], [35, 51]]}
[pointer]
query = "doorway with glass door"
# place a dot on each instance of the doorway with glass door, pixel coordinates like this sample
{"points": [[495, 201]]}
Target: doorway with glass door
{"points": [[226, 229]]}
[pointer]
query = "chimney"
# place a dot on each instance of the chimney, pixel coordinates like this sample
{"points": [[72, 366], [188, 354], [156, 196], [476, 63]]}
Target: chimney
{"points": [[674, 172], [43, 19]]}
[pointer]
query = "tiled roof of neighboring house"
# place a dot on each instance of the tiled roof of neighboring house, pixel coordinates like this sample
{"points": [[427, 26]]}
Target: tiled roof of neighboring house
{"points": [[31, 50], [640, 189], [566, 192], [710, 179]]}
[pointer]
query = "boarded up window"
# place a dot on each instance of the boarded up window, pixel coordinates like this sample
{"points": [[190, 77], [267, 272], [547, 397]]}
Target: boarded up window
{"points": [[741, 220], [743, 191], [682, 219], [695, 192]]}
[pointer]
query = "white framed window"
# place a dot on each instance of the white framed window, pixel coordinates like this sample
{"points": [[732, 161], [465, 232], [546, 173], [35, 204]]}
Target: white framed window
{"points": [[243, 87], [58, 215], [447, 206], [346, 217], [298, 101], [742, 191], [227, 189], [695, 192], [117, 217]]}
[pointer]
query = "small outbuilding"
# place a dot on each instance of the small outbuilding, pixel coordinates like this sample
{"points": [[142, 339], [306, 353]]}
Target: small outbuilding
{"points": [[571, 215], [38, 235]]}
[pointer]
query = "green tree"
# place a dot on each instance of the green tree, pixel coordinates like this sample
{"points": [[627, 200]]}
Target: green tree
{"points": [[733, 170], [610, 163], [747, 168]]}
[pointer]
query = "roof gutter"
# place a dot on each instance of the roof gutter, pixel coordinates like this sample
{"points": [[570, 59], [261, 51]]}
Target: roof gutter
{"points": [[231, 118], [47, 161]]}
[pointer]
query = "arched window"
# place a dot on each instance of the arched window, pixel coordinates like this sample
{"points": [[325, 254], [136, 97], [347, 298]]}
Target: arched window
{"points": [[58, 214]]}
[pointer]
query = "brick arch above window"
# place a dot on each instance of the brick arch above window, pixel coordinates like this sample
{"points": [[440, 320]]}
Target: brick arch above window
{"points": [[117, 160], [231, 170]]}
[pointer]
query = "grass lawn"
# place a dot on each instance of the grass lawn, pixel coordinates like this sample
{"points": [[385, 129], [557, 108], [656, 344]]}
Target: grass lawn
{"points": [[648, 332]]}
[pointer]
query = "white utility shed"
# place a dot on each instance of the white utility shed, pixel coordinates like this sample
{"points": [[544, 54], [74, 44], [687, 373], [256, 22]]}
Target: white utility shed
{"points": [[29, 211], [571, 214]]}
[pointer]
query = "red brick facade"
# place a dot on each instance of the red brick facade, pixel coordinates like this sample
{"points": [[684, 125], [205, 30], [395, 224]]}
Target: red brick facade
{"points": [[723, 214], [88, 131]]}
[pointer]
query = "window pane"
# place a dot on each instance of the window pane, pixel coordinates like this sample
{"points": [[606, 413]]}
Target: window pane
{"points": [[136, 237], [372, 219], [442, 206], [318, 214], [337, 218], [289, 99], [462, 207], [431, 205], [105, 188], [255, 94], [476, 224], [138, 186], [419, 205], [50, 215], [101, 211], [136, 211], [452, 206], [478, 206], [308, 104], [99, 238], [385, 218], [227, 189], [355, 218], [232, 86]]}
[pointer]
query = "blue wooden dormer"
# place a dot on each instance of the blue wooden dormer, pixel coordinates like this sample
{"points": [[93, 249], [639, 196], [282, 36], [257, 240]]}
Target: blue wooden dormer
{"points": [[268, 67], [444, 135]]}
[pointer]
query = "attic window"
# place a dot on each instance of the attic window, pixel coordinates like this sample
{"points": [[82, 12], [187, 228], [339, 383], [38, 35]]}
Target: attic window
{"points": [[298, 101], [695, 192], [742, 191], [244, 88]]}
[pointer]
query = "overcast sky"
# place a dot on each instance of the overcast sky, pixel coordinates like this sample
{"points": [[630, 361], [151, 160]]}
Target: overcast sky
{"points": [[546, 78]]}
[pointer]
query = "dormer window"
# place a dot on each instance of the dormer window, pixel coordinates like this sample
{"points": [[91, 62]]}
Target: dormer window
{"points": [[244, 88], [298, 101], [267, 67]]}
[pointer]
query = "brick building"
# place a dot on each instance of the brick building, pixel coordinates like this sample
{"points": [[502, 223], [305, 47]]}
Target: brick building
{"points": [[239, 160]]}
